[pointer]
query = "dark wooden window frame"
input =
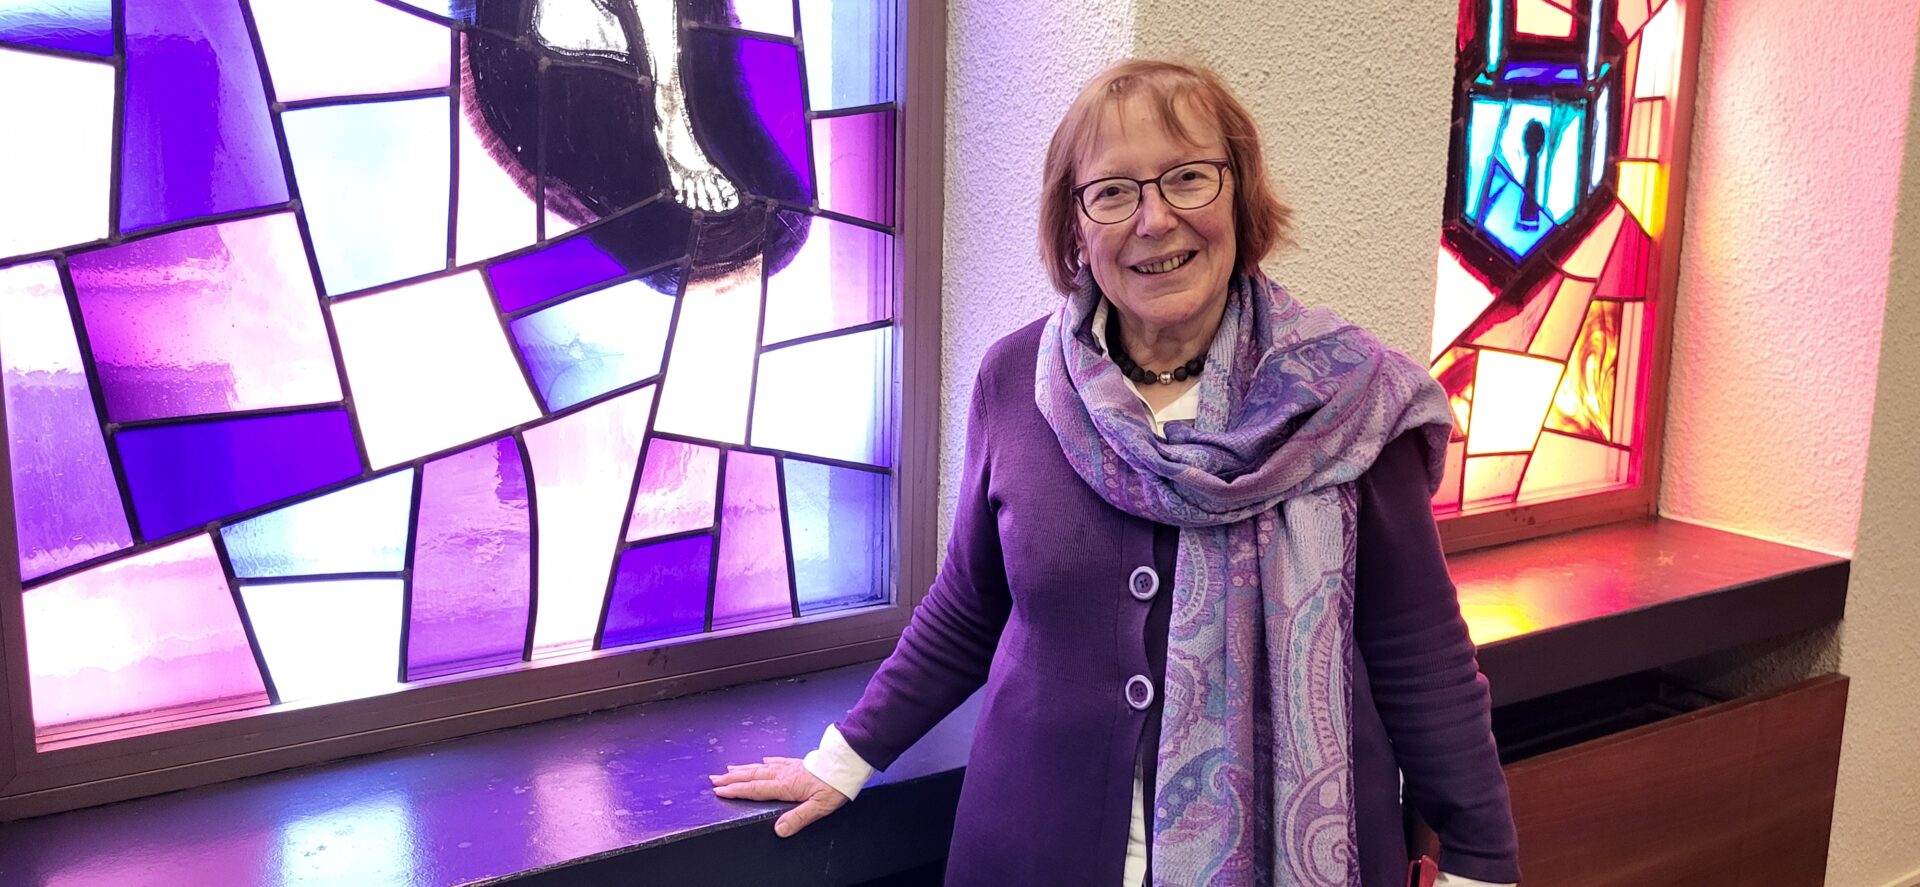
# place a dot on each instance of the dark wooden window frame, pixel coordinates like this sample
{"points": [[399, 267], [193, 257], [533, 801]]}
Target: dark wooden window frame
{"points": [[1499, 524], [35, 781]]}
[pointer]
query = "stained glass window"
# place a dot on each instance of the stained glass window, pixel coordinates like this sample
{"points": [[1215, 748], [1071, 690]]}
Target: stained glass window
{"points": [[405, 341], [1551, 246]]}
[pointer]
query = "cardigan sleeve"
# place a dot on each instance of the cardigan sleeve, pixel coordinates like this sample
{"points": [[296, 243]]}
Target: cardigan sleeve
{"points": [[944, 652], [1425, 681]]}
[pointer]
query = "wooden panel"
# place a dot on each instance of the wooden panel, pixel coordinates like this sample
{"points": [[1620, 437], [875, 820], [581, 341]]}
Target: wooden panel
{"points": [[1736, 794]]}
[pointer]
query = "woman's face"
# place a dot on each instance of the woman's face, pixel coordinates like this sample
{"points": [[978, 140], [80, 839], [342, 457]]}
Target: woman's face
{"points": [[1165, 268]]}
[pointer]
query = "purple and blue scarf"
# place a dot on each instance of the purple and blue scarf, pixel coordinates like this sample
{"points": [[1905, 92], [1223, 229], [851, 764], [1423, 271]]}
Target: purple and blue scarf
{"points": [[1255, 784]]}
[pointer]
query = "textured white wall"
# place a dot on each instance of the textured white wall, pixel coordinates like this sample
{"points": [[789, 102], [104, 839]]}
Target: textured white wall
{"points": [[1012, 68], [1800, 118]]}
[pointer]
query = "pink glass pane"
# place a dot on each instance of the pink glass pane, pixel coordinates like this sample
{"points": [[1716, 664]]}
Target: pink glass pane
{"points": [[1460, 298], [853, 164], [1562, 324], [1491, 479], [66, 506], [676, 490], [842, 277], [206, 320], [471, 563], [1566, 466], [1510, 326], [149, 636], [660, 592], [583, 467], [1448, 496], [752, 583]]}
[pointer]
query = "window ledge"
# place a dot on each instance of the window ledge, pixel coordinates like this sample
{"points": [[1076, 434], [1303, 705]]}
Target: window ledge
{"points": [[598, 798]]}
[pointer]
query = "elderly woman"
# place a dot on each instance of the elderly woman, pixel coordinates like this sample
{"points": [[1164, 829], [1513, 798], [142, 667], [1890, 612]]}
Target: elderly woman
{"points": [[1194, 562]]}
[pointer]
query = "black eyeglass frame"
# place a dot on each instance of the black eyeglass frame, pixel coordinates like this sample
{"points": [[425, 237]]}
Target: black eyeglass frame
{"points": [[1079, 193]]}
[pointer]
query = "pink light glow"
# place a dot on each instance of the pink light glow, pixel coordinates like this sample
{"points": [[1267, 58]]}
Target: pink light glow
{"points": [[676, 490], [152, 634]]}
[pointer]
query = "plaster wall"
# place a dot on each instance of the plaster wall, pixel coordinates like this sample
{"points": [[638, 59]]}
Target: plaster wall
{"points": [[1784, 265]]}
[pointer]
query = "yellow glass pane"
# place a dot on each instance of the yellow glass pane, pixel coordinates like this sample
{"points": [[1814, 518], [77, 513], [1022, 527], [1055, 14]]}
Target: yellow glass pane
{"points": [[1493, 479], [1647, 130], [1459, 298], [1511, 395], [1569, 466], [1543, 19], [1557, 332], [1643, 191], [1583, 405], [1590, 258]]}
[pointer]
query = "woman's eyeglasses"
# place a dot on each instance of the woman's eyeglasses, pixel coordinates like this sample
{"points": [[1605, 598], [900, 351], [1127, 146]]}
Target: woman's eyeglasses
{"points": [[1191, 185]]}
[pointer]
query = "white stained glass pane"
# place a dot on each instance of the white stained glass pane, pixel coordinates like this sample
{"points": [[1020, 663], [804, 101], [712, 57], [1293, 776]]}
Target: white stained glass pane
{"points": [[710, 369], [349, 47], [583, 467], [429, 368], [56, 157], [849, 48], [361, 529], [830, 397], [373, 178], [765, 16], [590, 345], [329, 640]]}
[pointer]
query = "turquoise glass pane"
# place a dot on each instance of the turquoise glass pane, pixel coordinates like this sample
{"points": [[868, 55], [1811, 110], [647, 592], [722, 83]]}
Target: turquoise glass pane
{"points": [[373, 178], [837, 518], [361, 529], [849, 46]]}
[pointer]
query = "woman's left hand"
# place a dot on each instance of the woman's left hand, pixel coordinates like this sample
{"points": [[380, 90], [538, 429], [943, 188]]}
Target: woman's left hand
{"points": [[780, 779]]}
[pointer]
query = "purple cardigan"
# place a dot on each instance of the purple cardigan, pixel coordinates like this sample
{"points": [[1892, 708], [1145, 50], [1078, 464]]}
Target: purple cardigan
{"points": [[1034, 601]]}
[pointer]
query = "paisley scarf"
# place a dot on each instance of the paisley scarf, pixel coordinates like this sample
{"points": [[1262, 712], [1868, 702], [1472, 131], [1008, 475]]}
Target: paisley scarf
{"points": [[1255, 784]]}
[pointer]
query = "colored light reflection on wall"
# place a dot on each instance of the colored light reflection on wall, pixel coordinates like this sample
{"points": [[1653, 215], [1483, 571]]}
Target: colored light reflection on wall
{"points": [[319, 380], [1550, 252]]}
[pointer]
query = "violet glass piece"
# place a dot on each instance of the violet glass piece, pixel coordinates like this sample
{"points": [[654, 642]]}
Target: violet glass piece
{"points": [[374, 181], [185, 475], [583, 466], [752, 583], [676, 490], [66, 505], [849, 52], [771, 73], [471, 560], [837, 518], [853, 160], [73, 25], [328, 640], [361, 529], [149, 636], [851, 420], [198, 139], [562, 267], [660, 591], [596, 343], [214, 319], [842, 277]]}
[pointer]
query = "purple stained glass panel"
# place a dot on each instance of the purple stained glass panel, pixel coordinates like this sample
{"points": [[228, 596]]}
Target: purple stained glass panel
{"points": [[838, 523], [152, 635], [66, 505], [198, 138], [676, 490], [853, 160], [842, 277], [214, 319], [471, 563], [187, 474], [752, 583], [559, 268], [771, 73], [73, 25], [659, 591]]}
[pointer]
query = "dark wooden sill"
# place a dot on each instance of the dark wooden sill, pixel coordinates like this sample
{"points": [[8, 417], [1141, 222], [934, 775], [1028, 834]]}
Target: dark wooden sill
{"points": [[604, 797]]}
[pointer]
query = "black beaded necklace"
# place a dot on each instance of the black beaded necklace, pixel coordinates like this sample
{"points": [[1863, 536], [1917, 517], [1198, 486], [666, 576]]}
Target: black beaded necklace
{"points": [[1141, 375]]}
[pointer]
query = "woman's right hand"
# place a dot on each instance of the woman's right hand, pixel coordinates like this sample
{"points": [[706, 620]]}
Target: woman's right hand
{"points": [[780, 779]]}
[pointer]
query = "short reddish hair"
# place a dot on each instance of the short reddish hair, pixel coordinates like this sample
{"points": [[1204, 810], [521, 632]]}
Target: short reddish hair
{"points": [[1260, 221]]}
